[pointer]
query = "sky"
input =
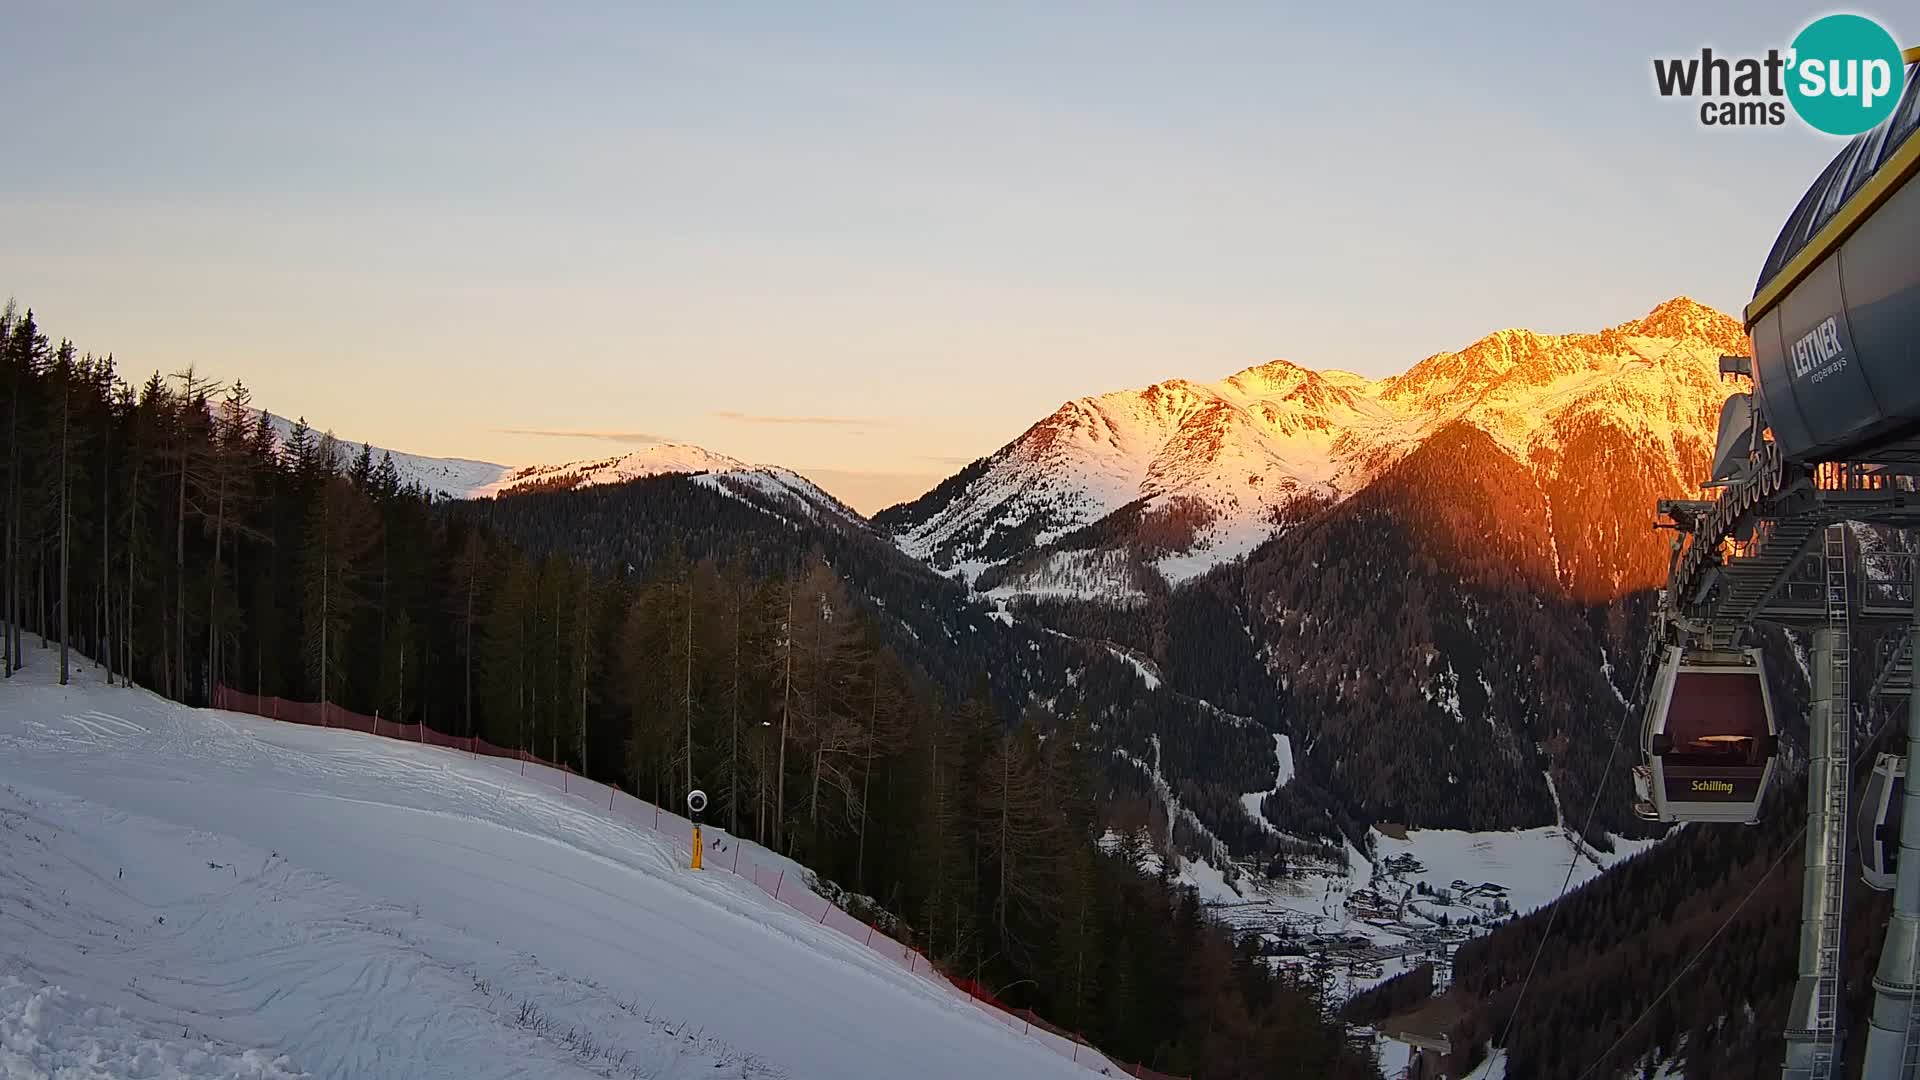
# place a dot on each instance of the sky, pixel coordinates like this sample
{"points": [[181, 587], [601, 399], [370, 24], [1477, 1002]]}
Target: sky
{"points": [[871, 242]]}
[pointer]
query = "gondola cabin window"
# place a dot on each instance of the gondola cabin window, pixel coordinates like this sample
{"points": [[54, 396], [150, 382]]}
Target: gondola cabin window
{"points": [[1717, 720]]}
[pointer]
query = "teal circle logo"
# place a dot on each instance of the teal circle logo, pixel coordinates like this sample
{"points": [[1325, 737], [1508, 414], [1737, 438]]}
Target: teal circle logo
{"points": [[1845, 75]]}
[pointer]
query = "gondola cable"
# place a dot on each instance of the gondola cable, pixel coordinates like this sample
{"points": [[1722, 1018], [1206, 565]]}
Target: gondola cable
{"points": [[1553, 912], [1734, 914], [1662, 995]]}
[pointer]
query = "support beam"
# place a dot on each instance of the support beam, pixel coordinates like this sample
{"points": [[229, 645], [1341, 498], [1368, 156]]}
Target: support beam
{"points": [[1812, 1018], [1891, 1039]]}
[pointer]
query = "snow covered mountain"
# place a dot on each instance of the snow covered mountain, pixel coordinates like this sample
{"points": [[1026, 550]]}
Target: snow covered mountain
{"points": [[657, 460], [453, 478], [769, 486], [1172, 479]]}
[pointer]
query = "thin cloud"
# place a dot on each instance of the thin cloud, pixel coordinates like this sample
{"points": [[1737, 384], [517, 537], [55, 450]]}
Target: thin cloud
{"points": [[815, 421], [944, 459], [634, 438], [870, 492]]}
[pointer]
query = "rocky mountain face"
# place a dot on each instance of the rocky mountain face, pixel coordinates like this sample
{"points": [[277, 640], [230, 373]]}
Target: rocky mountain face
{"points": [[1434, 583], [1118, 495]]}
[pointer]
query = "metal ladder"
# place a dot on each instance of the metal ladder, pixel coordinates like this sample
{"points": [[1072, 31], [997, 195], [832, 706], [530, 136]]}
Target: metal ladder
{"points": [[1826, 1050], [1910, 1046]]}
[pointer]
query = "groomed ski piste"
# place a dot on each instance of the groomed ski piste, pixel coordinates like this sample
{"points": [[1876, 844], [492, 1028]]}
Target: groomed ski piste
{"points": [[187, 893]]}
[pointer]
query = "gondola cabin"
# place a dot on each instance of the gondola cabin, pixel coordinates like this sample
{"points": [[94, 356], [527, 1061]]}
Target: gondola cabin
{"points": [[1709, 737], [1879, 821]]}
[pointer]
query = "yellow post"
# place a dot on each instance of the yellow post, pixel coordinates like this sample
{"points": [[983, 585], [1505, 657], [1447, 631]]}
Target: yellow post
{"points": [[696, 847]]}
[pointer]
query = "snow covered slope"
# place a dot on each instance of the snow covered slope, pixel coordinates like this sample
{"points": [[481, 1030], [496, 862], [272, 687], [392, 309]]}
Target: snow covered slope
{"points": [[1192, 474], [217, 895], [657, 460]]}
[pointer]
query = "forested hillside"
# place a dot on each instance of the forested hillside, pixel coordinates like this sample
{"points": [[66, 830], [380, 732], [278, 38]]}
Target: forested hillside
{"points": [[160, 529], [1210, 752], [1710, 919]]}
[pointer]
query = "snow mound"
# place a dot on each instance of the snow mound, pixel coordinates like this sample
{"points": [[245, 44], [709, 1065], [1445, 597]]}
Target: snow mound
{"points": [[47, 1032]]}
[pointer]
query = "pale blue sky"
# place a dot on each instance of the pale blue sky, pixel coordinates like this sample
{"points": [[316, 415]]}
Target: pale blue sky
{"points": [[856, 239]]}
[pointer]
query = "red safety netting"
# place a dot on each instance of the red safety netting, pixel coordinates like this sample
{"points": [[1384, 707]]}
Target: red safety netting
{"points": [[722, 852]]}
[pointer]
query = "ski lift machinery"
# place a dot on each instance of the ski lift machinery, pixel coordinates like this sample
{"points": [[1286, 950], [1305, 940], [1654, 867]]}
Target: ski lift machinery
{"points": [[1828, 431], [1709, 738]]}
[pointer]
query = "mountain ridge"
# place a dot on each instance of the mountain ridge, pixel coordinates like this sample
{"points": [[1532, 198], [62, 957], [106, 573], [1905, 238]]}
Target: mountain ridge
{"points": [[464, 478], [1228, 459]]}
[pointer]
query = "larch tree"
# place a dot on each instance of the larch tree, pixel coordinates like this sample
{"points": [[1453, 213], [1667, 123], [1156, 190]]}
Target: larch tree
{"points": [[1019, 836]]}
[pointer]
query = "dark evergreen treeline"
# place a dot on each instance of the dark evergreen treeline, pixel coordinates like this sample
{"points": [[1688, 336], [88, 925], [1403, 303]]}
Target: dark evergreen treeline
{"points": [[1209, 756], [162, 530]]}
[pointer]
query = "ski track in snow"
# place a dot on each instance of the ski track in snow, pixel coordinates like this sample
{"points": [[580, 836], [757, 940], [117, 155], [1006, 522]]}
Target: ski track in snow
{"points": [[188, 893], [1283, 762]]}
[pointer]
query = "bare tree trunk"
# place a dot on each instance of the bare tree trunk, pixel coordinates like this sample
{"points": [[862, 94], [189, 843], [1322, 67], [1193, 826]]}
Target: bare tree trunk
{"points": [[553, 691], [520, 687], [66, 395], [178, 675], [866, 784], [383, 590], [813, 790], [133, 525], [326, 558], [1006, 798], [472, 582], [106, 547], [6, 591], [586, 611], [7, 615], [213, 587], [687, 693], [786, 711], [733, 759], [15, 609]]}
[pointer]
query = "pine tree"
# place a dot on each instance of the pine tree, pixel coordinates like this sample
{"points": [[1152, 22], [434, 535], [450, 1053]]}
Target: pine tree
{"points": [[190, 450], [234, 485], [468, 569], [63, 376], [340, 531], [506, 646], [361, 473], [27, 351]]}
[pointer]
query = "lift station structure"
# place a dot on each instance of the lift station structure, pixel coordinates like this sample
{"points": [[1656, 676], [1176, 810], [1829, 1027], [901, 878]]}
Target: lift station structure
{"points": [[1813, 526]]}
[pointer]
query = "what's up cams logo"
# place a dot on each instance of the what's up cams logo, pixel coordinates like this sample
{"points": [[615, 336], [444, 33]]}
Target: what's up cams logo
{"points": [[1843, 75]]}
